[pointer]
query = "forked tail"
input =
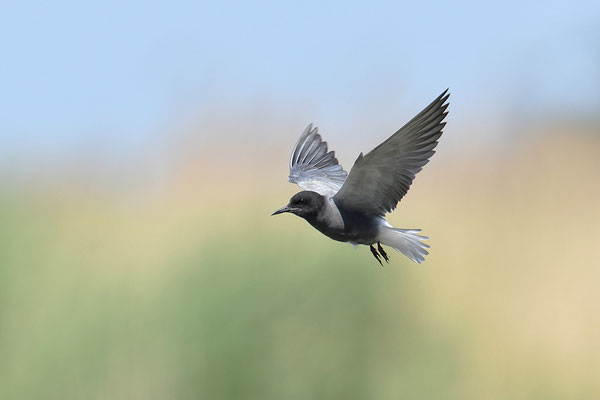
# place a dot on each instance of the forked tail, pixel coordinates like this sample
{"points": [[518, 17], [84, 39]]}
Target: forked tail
{"points": [[406, 241]]}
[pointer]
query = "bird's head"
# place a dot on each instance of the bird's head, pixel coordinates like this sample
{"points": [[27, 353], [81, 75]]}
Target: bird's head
{"points": [[305, 204]]}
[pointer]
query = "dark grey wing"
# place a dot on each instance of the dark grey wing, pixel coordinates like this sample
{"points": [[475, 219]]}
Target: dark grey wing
{"points": [[379, 180], [312, 167]]}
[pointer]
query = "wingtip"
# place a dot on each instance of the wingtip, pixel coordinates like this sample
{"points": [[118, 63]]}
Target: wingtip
{"points": [[311, 128], [443, 98]]}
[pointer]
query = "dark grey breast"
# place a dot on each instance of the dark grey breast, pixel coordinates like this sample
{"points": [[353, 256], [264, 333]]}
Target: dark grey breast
{"points": [[379, 180]]}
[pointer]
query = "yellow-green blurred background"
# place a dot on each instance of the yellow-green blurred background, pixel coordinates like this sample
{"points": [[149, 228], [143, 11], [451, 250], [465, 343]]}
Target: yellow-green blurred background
{"points": [[144, 145]]}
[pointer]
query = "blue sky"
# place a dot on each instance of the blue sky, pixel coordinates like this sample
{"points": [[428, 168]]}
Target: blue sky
{"points": [[75, 72]]}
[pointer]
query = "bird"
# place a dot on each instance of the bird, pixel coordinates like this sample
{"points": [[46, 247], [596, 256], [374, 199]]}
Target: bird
{"points": [[351, 207]]}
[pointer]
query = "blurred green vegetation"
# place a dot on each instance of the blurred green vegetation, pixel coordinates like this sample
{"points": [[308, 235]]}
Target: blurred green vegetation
{"points": [[195, 294]]}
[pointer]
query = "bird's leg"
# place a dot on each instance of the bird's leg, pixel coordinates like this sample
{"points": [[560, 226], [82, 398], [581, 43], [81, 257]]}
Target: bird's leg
{"points": [[383, 253], [375, 254]]}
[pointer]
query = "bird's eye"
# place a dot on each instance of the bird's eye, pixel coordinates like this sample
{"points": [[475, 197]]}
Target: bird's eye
{"points": [[301, 201]]}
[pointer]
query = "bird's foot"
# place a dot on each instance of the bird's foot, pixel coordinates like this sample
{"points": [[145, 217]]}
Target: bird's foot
{"points": [[383, 253], [375, 254]]}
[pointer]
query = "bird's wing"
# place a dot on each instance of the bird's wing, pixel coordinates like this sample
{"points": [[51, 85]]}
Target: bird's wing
{"points": [[312, 167], [379, 180]]}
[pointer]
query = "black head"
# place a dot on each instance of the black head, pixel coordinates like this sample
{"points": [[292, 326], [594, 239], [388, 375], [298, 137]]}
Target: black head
{"points": [[305, 204]]}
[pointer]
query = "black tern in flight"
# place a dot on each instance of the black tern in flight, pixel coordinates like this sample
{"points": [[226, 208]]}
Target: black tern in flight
{"points": [[351, 207]]}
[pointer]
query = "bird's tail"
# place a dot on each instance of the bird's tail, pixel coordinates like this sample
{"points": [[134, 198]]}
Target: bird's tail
{"points": [[406, 241]]}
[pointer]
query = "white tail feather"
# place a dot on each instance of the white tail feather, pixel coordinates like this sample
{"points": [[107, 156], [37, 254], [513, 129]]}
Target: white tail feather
{"points": [[406, 241]]}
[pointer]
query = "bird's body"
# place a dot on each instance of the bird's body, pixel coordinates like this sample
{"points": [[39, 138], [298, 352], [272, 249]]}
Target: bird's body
{"points": [[351, 208], [346, 226]]}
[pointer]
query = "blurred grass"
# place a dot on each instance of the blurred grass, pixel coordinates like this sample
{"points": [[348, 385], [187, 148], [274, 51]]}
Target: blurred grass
{"points": [[172, 299]]}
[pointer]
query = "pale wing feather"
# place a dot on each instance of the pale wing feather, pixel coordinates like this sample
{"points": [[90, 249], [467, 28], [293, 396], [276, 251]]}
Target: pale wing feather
{"points": [[312, 167], [379, 180]]}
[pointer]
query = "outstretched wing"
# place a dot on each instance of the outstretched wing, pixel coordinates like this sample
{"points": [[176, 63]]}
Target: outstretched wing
{"points": [[313, 168], [379, 180]]}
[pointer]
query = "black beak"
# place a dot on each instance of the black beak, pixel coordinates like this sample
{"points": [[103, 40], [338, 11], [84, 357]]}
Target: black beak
{"points": [[281, 210]]}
